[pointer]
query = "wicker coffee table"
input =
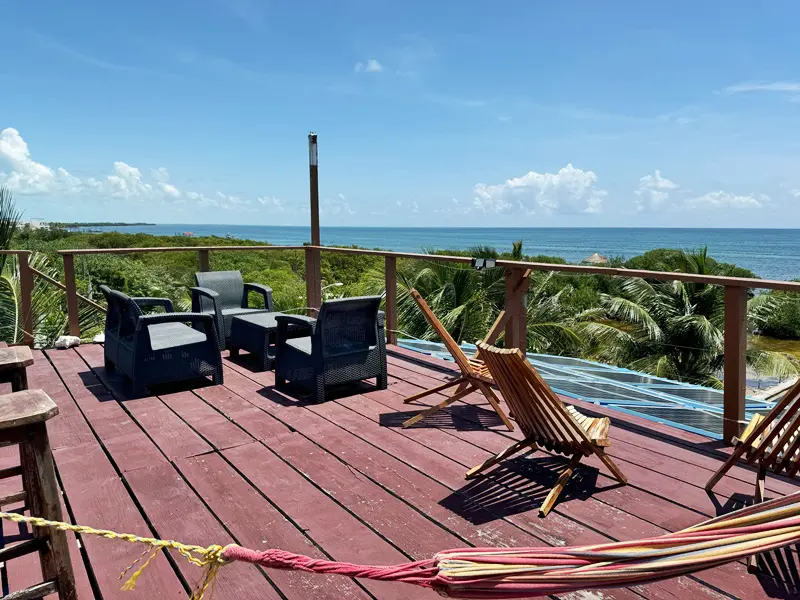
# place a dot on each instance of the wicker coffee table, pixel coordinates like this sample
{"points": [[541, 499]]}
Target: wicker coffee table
{"points": [[256, 334]]}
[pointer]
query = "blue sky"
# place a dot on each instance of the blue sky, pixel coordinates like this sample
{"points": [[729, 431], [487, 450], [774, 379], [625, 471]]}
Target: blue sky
{"points": [[512, 113]]}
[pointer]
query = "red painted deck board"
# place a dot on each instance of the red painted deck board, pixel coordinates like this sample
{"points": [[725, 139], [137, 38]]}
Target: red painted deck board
{"points": [[241, 462]]}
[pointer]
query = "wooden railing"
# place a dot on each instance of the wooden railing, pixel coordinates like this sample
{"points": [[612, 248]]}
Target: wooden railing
{"points": [[514, 317]]}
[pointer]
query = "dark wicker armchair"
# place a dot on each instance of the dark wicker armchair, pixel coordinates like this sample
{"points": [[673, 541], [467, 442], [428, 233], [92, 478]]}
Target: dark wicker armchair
{"points": [[158, 348], [224, 295], [345, 343]]}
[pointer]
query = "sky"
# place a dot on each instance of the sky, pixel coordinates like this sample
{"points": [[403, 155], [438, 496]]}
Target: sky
{"points": [[447, 113]]}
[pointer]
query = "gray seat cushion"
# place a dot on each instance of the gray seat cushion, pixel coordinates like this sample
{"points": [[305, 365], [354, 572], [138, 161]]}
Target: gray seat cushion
{"points": [[172, 335], [303, 344]]}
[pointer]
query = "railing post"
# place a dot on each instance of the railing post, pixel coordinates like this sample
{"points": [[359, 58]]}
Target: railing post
{"points": [[26, 293], [203, 263], [735, 361], [72, 294], [516, 326], [313, 280], [390, 272]]}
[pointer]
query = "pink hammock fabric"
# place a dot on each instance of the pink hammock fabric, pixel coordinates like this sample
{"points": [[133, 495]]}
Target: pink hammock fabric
{"points": [[529, 572]]}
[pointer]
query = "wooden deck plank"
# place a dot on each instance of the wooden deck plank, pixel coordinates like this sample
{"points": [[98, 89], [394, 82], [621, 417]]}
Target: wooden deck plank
{"points": [[98, 498], [615, 522], [257, 524], [178, 514], [336, 531], [490, 529], [326, 477]]}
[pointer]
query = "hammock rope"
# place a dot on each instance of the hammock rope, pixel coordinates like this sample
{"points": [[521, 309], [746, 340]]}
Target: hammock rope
{"points": [[499, 573]]}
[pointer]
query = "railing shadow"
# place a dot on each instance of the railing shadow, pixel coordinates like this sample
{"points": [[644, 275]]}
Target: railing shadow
{"points": [[778, 571], [519, 485], [461, 417]]}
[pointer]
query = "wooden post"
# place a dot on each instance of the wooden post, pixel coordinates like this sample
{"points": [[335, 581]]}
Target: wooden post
{"points": [[72, 294], [26, 293], [735, 361], [516, 326], [313, 266], [313, 181], [313, 280], [203, 262], [390, 272]]}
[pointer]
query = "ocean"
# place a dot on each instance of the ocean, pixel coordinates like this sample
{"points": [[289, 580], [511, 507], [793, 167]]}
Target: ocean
{"points": [[769, 253]]}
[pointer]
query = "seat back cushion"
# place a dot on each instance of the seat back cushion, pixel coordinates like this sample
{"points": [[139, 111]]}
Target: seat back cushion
{"points": [[349, 325], [228, 284]]}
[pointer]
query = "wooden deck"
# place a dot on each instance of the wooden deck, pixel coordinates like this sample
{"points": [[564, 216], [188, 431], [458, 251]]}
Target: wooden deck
{"points": [[243, 463]]}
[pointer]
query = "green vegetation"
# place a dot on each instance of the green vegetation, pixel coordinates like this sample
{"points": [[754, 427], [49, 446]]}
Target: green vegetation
{"points": [[670, 329]]}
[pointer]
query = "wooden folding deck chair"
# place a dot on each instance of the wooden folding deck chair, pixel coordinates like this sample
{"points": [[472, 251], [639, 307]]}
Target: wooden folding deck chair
{"points": [[474, 374], [544, 419], [770, 442]]}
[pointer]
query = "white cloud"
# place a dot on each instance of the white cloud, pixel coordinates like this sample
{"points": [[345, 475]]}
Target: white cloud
{"points": [[764, 86], [795, 192], [271, 202], [414, 207], [371, 66], [652, 191], [721, 199], [125, 181], [336, 206], [28, 176], [569, 191]]}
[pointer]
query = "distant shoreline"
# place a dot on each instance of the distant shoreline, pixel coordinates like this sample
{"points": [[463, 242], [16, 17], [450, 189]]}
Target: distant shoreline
{"points": [[100, 224]]}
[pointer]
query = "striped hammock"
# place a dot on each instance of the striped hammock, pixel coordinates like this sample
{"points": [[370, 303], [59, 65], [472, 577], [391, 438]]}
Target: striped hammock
{"points": [[513, 572], [530, 572]]}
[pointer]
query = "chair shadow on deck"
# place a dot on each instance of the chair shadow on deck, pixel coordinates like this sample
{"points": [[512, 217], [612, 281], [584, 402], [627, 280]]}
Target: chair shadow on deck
{"points": [[108, 385], [293, 395], [520, 485], [778, 570], [461, 417]]}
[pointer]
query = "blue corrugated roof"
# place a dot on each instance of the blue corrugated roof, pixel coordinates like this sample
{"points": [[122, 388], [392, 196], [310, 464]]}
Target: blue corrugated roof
{"points": [[682, 405]]}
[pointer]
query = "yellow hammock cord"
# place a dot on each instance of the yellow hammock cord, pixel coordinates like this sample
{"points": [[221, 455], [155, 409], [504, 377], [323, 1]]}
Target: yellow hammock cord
{"points": [[209, 558]]}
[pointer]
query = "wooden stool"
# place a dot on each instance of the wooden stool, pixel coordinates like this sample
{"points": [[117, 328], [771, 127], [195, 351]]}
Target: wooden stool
{"points": [[22, 421], [13, 364]]}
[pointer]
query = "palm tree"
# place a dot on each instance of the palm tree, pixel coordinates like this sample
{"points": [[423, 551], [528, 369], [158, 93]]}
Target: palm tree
{"points": [[47, 303], [674, 329]]}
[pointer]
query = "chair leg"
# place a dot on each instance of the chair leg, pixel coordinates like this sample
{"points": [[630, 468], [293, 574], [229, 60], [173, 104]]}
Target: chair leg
{"points": [[433, 409], [495, 402], [732, 459], [611, 465], [434, 390], [758, 498], [559, 486], [110, 366], [382, 382], [319, 391], [280, 381], [139, 390], [234, 351], [501, 456]]}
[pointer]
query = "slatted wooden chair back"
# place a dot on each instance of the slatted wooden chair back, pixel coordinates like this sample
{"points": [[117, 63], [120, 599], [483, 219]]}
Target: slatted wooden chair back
{"points": [[770, 442], [464, 363], [475, 375], [538, 411]]}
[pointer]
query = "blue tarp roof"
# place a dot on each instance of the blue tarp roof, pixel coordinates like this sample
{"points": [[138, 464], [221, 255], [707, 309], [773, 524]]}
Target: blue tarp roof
{"points": [[686, 406]]}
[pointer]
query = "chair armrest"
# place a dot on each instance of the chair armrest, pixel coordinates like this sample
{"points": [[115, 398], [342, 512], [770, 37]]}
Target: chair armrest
{"points": [[285, 321], [193, 318], [264, 290], [381, 318], [166, 303], [201, 291]]}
